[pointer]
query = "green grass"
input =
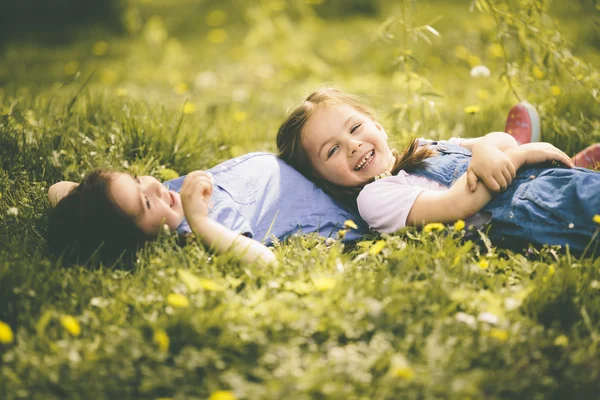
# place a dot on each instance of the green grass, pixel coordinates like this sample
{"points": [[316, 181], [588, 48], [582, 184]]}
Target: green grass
{"points": [[428, 316]]}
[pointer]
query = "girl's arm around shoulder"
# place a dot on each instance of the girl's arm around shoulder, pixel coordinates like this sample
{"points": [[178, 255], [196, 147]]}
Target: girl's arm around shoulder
{"points": [[195, 196]]}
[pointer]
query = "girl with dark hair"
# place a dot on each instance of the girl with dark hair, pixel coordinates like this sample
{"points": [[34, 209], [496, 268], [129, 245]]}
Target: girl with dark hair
{"points": [[335, 141], [255, 196]]}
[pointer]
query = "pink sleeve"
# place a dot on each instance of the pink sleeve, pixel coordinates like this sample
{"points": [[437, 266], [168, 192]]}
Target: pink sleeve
{"points": [[385, 204]]}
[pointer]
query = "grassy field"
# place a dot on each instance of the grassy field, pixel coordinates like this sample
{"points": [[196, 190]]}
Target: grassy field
{"points": [[187, 84]]}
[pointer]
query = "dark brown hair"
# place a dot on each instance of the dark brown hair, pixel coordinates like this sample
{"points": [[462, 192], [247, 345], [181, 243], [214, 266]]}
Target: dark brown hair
{"points": [[289, 143], [88, 223]]}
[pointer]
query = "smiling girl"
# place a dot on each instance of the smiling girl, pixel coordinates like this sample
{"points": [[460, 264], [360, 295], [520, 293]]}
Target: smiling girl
{"points": [[335, 141], [255, 196]]}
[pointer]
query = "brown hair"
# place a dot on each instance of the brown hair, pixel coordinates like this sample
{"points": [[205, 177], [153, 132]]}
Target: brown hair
{"points": [[87, 222], [289, 143]]}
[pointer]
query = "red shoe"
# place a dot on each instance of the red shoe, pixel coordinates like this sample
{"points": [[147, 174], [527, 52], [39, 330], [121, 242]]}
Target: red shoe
{"points": [[588, 157], [523, 123]]}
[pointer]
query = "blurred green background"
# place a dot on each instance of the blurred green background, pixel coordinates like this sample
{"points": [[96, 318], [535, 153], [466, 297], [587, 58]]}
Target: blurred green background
{"points": [[165, 87], [249, 61]]}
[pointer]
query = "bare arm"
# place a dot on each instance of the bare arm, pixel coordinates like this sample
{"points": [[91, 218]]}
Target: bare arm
{"points": [[500, 140], [459, 202], [59, 190], [222, 239], [195, 195]]}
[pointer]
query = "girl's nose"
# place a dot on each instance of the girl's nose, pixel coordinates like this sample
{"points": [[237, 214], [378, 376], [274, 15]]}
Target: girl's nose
{"points": [[353, 146]]}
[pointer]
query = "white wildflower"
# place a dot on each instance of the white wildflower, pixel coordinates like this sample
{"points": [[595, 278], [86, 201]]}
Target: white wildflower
{"points": [[480, 71], [467, 319], [14, 211], [488, 317]]}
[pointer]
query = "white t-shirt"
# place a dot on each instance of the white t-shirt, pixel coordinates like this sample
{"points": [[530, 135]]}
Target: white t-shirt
{"points": [[385, 203]]}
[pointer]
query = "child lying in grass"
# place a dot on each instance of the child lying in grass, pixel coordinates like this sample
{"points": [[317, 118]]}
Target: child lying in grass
{"points": [[254, 196], [334, 140]]}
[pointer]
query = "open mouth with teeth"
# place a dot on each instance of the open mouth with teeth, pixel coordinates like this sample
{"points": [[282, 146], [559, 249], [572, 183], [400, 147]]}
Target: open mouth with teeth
{"points": [[364, 163]]}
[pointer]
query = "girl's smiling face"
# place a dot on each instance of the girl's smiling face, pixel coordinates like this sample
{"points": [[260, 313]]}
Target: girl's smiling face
{"points": [[147, 202], [345, 147]]}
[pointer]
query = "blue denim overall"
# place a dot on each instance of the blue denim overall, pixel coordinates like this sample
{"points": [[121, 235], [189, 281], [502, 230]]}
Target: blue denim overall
{"points": [[543, 205], [261, 196]]}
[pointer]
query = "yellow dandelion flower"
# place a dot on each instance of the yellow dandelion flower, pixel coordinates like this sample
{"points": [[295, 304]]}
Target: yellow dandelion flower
{"points": [[217, 36], [71, 67], [121, 92], [240, 116], [350, 224], [483, 94], [323, 283], [537, 72], [216, 18], [155, 31], [210, 285], [404, 372], [483, 263], [455, 261], [189, 108], [108, 76], [461, 52], [472, 109], [342, 47], [434, 226], [551, 269], [459, 225], [182, 88], [6, 333], [473, 60], [222, 395], [100, 48], [596, 218], [555, 90], [70, 324], [377, 247], [499, 334], [161, 338], [177, 300], [496, 50], [561, 340]]}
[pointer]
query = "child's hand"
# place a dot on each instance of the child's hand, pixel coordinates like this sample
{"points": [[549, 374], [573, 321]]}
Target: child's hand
{"points": [[195, 194], [535, 153], [492, 166]]}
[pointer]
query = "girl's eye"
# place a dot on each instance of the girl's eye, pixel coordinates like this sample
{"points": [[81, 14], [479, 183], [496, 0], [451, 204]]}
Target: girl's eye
{"points": [[354, 128], [332, 151], [147, 203]]}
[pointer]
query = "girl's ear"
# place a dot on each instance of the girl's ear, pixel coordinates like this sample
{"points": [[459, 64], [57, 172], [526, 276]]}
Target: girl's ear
{"points": [[378, 125]]}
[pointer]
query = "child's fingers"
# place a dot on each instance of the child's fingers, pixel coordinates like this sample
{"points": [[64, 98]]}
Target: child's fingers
{"points": [[508, 176], [471, 180], [502, 182], [512, 170], [491, 184]]}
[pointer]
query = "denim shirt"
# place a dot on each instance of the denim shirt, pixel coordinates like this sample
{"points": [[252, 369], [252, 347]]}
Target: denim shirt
{"points": [[262, 197], [543, 205]]}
